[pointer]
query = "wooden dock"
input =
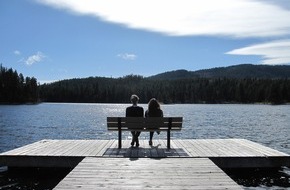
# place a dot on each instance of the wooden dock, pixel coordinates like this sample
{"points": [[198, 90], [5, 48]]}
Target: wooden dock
{"points": [[227, 153], [147, 173], [189, 164]]}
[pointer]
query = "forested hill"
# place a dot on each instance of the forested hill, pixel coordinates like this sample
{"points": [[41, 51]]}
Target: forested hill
{"points": [[236, 84], [238, 71]]}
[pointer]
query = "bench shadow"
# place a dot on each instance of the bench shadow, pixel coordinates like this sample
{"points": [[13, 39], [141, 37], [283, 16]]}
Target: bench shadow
{"points": [[145, 152]]}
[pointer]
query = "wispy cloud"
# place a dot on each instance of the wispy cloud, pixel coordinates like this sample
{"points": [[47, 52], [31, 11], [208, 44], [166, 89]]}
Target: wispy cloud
{"points": [[273, 53], [127, 56], [239, 18], [38, 57], [17, 52]]}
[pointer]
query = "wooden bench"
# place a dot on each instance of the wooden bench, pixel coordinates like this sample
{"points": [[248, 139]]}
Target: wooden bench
{"points": [[144, 124]]}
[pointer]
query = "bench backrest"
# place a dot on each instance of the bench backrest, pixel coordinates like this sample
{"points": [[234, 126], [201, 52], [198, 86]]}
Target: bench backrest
{"points": [[144, 124]]}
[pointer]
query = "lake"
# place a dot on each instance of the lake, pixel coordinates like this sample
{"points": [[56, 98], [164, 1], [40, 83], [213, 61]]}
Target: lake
{"points": [[23, 124], [265, 124]]}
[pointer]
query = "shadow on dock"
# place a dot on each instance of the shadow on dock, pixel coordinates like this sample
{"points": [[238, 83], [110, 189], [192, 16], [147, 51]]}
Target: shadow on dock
{"points": [[153, 152]]}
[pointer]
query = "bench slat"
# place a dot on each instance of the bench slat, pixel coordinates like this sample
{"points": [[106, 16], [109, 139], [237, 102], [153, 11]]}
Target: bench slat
{"points": [[146, 119], [143, 129], [144, 124]]}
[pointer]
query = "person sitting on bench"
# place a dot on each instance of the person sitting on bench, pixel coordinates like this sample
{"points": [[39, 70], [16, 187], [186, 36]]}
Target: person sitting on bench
{"points": [[153, 111], [135, 111]]}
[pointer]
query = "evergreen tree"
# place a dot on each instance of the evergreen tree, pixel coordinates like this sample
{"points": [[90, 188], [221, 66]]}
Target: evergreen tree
{"points": [[14, 89]]}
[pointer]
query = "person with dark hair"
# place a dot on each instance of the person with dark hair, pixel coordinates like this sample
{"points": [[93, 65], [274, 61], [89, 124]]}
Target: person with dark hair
{"points": [[135, 111], [153, 111]]}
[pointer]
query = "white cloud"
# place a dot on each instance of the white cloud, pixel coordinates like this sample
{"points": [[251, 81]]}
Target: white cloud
{"points": [[38, 57], [16, 52], [239, 18], [273, 53], [127, 56]]}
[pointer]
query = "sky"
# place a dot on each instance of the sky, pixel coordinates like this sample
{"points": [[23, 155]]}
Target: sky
{"points": [[53, 40]]}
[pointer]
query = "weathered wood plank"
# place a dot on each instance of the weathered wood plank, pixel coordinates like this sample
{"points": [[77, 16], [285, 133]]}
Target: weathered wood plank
{"points": [[181, 146], [23, 149], [173, 173], [97, 147], [59, 149], [259, 148], [32, 148], [228, 148]]}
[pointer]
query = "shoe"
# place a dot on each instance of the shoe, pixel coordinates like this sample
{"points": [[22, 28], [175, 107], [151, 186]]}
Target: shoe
{"points": [[150, 143], [137, 142], [132, 143], [158, 132]]}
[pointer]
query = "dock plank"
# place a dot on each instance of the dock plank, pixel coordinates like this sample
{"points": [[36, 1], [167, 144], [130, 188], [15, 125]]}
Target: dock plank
{"points": [[181, 146], [99, 147], [60, 149], [173, 173], [228, 148], [263, 150], [34, 147]]}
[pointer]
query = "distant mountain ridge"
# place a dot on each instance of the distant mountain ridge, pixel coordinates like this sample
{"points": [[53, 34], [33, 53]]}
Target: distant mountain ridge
{"points": [[237, 71]]}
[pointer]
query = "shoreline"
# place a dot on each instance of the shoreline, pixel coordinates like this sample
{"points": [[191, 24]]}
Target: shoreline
{"points": [[162, 103]]}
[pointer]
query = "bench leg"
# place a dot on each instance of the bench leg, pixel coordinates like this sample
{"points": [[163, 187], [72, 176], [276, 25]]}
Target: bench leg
{"points": [[168, 132], [168, 139], [119, 139], [119, 133]]}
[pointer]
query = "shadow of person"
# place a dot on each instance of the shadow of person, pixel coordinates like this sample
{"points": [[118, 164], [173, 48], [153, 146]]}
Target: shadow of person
{"points": [[157, 146], [133, 158]]}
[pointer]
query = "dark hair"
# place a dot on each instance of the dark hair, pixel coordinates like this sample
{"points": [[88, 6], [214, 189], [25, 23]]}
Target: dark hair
{"points": [[134, 98], [153, 104]]}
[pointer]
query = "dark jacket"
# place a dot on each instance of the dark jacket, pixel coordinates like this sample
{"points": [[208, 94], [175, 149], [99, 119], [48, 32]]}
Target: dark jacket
{"points": [[154, 113], [134, 111]]}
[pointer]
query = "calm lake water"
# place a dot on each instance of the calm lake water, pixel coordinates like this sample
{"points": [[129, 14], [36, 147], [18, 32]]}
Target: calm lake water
{"points": [[266, 124], [23, 124]]}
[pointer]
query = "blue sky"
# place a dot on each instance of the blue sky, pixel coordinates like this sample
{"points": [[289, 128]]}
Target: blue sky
{"points": [[63, 39]]}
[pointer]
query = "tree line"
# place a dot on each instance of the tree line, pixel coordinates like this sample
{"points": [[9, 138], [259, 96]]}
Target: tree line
{"points": [[14, 88], [190, 90]]}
